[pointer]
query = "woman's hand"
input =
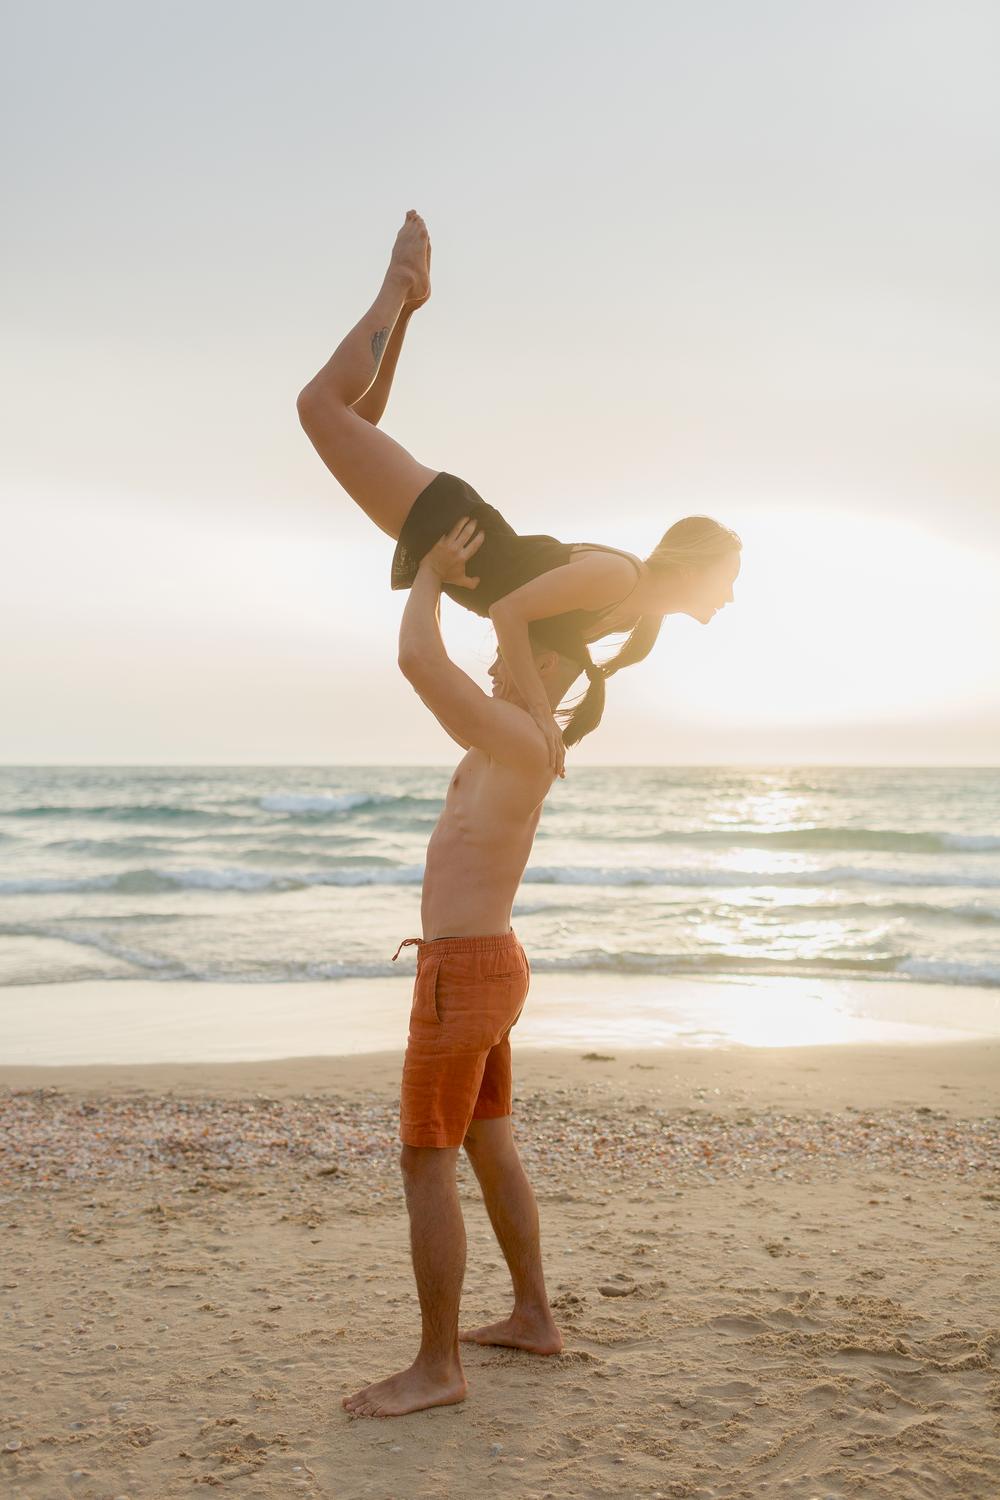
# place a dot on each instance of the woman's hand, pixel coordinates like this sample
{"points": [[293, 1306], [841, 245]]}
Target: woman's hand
{"points": [[546, 721], [447, 557]]}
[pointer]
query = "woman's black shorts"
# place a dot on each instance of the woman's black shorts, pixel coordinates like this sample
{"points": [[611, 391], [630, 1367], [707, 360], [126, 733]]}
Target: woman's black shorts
{"points": [[504, 561]]}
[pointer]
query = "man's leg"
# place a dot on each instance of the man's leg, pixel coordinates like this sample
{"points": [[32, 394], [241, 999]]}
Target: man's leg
{"points": [[375, 471], [510, 1203], [437, 1241]]}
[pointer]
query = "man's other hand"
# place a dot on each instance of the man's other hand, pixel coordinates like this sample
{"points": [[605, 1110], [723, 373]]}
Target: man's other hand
{"points": [[447, 558]]}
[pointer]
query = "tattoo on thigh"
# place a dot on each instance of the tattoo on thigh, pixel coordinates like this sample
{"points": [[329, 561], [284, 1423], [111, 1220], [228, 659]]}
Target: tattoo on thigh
{"points": [[379, 341]]}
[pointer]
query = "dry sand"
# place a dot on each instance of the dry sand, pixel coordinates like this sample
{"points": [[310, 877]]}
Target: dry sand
{"points": [[199, 1261]]}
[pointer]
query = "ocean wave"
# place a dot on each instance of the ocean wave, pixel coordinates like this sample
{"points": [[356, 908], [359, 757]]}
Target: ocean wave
{"points": [[345, 802], [291, 804], [157, 881], [333, 804], [946, 971], [889, 840], [151, 880], [593, 961], [831, 875], [149, 963], [602, 961], [153, 812], [40, 885], [414, 811], [132, 847], [918, 911]]}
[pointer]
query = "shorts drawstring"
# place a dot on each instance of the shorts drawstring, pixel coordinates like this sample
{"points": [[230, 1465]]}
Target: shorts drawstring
{"points": [[405, 944]]}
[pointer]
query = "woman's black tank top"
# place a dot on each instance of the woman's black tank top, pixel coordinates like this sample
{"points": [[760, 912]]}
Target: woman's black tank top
{"points": [[504, 562]]}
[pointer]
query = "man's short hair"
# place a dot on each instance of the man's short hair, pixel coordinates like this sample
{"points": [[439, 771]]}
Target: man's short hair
{"points": [[543, 638]]}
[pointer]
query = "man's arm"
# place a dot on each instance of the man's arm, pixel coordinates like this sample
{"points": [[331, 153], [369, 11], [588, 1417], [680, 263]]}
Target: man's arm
{"points": [[466, 713], [448, 729]]}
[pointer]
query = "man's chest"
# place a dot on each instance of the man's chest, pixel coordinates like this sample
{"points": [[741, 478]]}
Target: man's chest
{"points": [[484, 796]]}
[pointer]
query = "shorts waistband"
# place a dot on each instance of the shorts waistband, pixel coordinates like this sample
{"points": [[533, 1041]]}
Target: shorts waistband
{"points": [[489, 943]]}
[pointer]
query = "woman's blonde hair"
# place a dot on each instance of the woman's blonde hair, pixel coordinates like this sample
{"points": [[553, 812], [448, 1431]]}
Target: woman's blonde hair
{"points": [[693, 542]]}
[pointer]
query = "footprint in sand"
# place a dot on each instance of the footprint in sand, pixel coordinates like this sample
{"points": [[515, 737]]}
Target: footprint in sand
{"points": [[730, 1323], [730, 1388]]}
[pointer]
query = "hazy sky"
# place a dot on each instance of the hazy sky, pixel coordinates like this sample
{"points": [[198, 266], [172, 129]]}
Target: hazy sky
{"points": [[728, 257]]}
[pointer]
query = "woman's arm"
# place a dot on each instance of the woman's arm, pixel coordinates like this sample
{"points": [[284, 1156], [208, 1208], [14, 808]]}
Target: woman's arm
{"points": [[595, 582], [519, 659], [515, 648]]}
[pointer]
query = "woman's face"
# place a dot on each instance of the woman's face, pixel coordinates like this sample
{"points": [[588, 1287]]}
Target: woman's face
{"points": [[707, 590]]}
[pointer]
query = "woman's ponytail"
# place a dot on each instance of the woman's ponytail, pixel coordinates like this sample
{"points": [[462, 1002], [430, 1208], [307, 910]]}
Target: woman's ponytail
{"points": [[588, 711]]}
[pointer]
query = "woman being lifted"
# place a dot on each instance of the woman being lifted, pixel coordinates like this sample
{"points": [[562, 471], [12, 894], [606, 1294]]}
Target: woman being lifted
{"points": [[569, 594]]}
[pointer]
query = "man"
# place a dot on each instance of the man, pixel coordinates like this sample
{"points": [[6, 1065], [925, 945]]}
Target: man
{"points": [[472, 980]]}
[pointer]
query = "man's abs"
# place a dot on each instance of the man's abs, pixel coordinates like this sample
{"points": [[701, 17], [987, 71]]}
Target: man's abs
{"points": [[476, 855]]}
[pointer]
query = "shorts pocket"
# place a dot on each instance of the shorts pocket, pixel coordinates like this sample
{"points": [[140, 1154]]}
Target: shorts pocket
{"points": [[425, 1003]]}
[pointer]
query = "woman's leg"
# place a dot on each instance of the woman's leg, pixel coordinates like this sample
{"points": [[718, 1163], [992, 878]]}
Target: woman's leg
{"points": [[373, 403], [374, 470]]}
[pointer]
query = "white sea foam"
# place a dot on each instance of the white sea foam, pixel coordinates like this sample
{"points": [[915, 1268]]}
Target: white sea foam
{"points": [[340, 803], [946, 971], [167, 967], [39, 885], [829, 875], [812, 837], [233, 878]]}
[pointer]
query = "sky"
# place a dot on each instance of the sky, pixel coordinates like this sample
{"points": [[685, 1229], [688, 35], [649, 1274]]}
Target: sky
{"points": [[692, 257]]}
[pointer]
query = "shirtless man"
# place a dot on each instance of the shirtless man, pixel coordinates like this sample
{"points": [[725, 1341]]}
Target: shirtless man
{"points": [[472, 979]]}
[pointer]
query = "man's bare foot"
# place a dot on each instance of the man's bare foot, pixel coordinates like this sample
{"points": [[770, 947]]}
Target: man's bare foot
{"points": [[410, 258], [539, 1335], [410, 1390]]}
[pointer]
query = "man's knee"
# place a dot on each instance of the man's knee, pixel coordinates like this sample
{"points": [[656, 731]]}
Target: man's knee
{"points": [[418, 1162], [487, 1141]]}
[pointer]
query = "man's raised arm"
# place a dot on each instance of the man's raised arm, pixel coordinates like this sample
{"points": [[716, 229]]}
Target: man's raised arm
{"points": [[464, 711]]}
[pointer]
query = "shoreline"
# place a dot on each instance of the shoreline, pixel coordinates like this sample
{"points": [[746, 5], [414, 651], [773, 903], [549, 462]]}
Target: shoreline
{"points": [[142, 1022]]}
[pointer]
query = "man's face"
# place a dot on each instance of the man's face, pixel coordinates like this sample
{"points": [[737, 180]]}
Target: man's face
{"points": [[504, 685], [500, 678]]}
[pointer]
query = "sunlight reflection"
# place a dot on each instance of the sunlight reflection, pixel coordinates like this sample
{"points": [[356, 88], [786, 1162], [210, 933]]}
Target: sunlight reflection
{"points": [[763, 1012]]}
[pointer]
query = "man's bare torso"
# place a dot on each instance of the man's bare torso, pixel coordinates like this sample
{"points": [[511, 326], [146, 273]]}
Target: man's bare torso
{"points": [[480, 846]]}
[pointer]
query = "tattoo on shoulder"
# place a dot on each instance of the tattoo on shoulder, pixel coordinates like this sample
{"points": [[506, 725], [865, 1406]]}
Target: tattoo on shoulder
{"points": [[379, 341]]}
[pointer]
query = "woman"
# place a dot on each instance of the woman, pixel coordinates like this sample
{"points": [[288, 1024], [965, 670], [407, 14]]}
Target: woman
{"points": [[568, 594]]}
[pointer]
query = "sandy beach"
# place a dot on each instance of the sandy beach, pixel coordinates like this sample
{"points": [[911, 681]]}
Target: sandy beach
{"points": [[775, 1271]]}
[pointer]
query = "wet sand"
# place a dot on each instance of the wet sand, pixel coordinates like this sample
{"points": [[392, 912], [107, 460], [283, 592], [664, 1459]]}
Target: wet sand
{"points": [[146, 1021]]}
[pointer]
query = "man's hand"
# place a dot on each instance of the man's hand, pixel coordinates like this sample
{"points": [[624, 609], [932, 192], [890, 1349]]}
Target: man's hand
{"points": [[447, 558]]}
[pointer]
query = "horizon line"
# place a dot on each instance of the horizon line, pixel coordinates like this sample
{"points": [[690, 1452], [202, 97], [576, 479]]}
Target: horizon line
{"points": [[374, 765]]}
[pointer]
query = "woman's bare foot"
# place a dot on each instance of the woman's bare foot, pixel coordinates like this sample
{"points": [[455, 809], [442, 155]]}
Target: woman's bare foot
{"points": [[411, 259], [538, 1335], [410, 1390], [412, 303]]}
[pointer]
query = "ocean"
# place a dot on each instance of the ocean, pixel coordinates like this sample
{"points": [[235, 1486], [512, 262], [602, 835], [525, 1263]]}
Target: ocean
{"points": [[286, 874]]}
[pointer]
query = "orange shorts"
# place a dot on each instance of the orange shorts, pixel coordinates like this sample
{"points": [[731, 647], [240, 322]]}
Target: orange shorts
{"points": [[467, 995]]}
